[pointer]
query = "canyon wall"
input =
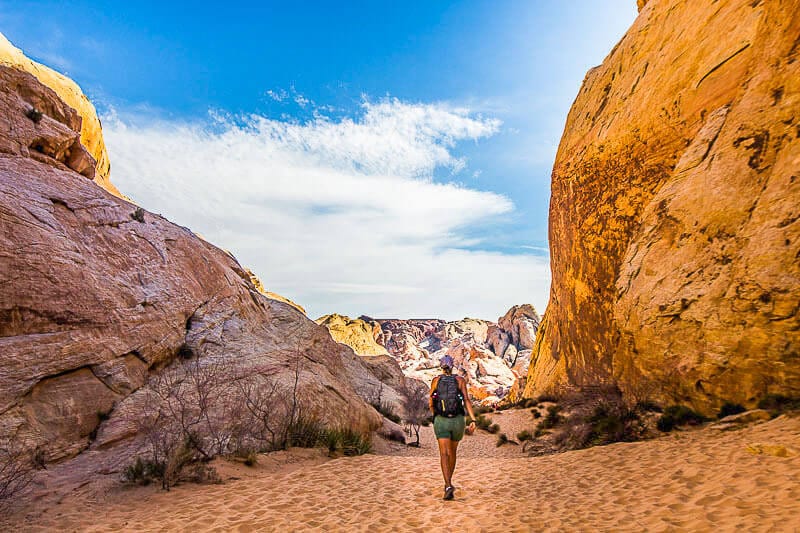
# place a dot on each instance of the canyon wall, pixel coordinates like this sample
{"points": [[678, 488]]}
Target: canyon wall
{"points": [[675, 211], [99, 296]]}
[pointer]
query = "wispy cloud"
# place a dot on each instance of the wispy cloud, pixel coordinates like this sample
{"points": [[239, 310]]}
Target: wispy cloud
{"points": [[341, 215]]}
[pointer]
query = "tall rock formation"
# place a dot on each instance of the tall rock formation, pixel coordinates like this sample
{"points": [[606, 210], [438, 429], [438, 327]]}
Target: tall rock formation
{"points": [[675, 211], [90, 130], [97, 296]]}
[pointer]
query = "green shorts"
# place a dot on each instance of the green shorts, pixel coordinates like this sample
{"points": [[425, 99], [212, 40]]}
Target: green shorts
{"points": [[449, 428]]}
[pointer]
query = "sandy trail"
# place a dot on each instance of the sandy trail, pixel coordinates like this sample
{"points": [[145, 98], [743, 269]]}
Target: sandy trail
{"points": [[700, 481]]}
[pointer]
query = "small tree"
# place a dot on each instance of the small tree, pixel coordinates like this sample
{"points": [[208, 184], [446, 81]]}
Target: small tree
{"points": [[414, 399]]}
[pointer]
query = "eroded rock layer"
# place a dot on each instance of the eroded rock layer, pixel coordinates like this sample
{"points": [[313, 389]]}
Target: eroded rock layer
{"points": [[98, 295], [89, 125], [675, 211]]}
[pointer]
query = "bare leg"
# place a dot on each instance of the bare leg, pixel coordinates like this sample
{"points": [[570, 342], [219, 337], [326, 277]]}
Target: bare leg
{"points": [[444, 456], [452, 457]]}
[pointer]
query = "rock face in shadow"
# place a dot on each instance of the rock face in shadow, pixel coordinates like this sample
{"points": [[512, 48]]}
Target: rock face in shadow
{"points": [[91, 135], [675, 212], [98, 295]]}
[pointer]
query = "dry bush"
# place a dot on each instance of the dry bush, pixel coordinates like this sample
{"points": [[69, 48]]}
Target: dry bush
{"points": [[199, 409], [16, 470], [597, 416], [414, 399]]}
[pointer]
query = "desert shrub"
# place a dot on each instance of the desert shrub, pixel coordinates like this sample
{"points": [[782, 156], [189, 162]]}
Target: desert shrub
{"points": [[553, 417], [536, 413], [34, 114], [138, 215], [205, 473], [16, 470], [355, 443], [347, 441], [494, 428], [251, 459], [481, 409], [142, 471], [598, 416], [524, 435], [387, 409], [483, 422], [729, 409], [778, 403], [678, 415], [414, 400], [502, 439]]}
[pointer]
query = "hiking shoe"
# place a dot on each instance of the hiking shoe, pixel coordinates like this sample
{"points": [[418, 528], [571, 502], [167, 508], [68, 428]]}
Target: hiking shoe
{"points": [[449, 492]]}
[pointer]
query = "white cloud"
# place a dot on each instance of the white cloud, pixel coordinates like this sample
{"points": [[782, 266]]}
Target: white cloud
{"points": [[342, 216]]}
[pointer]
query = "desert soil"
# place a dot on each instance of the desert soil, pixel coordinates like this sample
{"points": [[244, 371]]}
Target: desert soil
{"points": [[701, 480]]}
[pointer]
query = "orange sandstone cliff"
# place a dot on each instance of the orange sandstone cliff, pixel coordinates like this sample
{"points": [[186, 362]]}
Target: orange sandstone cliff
{"points": [[675, 211]]}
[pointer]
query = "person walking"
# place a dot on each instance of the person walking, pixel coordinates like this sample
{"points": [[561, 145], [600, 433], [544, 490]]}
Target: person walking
{"points": [[448, 400]]}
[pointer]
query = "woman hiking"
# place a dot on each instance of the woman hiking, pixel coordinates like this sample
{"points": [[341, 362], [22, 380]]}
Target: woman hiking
{"points": [[447, 401]]}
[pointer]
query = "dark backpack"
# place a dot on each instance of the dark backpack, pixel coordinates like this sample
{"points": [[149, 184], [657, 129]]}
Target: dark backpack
{"points": [[447, 398]]}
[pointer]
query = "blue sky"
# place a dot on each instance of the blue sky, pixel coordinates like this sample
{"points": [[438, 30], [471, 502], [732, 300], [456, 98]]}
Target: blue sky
{"points": [[291, 134]]}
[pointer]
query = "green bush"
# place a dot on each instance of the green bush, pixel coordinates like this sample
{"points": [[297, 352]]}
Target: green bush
{"points": [[678, 415], [494, 428], [501, 440], [729, 409], [483, 422], [524, 435], [347, 441]]}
